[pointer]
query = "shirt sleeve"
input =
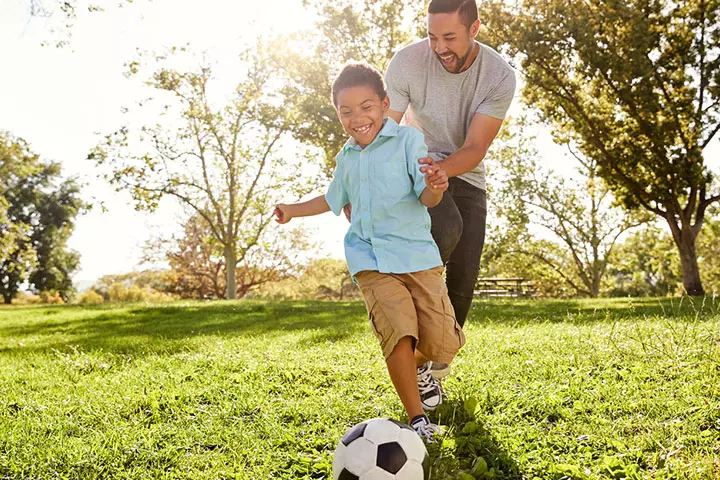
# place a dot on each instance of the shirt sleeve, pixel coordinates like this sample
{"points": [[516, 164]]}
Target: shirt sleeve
{"points": [[397, 85], [496, 104], [336, 196], [415, 149]]}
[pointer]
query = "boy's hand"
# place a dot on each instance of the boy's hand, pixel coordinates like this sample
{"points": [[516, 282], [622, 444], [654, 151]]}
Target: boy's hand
{"points": [[281, 213], [436, 178]]}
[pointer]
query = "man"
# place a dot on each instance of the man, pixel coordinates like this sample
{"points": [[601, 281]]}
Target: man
{"points": [[456, 91]]}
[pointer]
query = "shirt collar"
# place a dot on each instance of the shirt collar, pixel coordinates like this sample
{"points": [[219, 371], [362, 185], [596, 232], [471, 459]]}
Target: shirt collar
{"points": [[390, 129]]}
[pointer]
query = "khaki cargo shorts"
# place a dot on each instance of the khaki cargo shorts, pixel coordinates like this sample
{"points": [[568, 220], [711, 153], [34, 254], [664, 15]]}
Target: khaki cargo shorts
{"points": [[412, 304]]}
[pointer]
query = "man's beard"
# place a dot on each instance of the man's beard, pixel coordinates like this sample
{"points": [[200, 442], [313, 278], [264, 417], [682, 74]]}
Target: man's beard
{"points": [[460, 62]]}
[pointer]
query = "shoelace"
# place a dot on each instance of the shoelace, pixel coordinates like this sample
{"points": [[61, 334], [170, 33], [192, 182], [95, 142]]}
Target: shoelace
{"points": [[428, 430], [426, 382]]}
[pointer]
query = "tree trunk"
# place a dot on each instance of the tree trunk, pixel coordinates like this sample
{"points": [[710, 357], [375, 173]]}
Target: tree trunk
{"points": [[685, 241], [230, 261], [7, 299]]}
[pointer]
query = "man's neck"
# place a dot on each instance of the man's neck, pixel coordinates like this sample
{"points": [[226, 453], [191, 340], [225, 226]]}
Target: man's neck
{"points": [[475, 50]]}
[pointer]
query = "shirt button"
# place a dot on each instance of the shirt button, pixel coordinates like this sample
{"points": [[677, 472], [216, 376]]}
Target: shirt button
{"points": [[364, 152], [363, 179]]}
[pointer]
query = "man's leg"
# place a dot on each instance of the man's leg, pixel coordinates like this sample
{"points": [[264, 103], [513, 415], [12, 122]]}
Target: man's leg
{"points": [[464, 262], [447, 225]]}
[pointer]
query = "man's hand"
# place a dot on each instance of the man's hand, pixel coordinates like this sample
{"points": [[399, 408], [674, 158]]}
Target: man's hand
{"points": [[426, 161], [347, 209], [435, 178], [282, 214]]}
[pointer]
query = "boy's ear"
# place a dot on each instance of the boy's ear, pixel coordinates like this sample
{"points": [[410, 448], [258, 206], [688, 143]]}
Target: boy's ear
{"points": [[386, 104]]}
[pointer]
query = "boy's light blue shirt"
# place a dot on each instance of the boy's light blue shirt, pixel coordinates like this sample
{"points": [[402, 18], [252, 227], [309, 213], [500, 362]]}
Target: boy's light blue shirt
{"points": [[390, 228]]}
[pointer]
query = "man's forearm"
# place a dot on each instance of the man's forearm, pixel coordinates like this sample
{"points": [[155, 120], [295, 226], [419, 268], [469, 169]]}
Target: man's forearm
{"points": [[462, 161], [316, 206]]}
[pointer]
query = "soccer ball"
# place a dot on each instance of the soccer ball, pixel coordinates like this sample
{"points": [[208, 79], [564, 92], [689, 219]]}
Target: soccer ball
{"points": [[381, 449]]}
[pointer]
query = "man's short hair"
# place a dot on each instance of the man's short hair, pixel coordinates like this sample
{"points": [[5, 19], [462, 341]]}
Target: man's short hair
{"points": [[356, 75], [466, 8]]}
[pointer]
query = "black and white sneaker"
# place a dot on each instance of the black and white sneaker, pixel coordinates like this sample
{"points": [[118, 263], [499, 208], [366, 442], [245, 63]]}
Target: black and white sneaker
{"points": [[440, 370], [427, 430], [431, 393]]}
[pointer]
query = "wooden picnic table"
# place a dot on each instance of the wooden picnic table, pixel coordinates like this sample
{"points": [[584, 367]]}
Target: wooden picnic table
{"points": [[504, 287]]}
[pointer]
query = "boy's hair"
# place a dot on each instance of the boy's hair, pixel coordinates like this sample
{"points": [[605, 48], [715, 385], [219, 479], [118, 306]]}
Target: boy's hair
{"points": [[356, 75], [466, 8]]}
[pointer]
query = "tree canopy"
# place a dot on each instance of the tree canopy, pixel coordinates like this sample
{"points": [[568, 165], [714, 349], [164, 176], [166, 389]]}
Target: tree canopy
{"points": [[636, 86]]}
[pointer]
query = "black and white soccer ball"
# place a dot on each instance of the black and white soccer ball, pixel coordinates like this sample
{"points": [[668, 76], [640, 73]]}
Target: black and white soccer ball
{"points": [[381, 449]]}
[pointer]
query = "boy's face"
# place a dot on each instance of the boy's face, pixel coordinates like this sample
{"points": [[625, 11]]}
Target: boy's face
{"points": [[361, 112], [451, 40]]}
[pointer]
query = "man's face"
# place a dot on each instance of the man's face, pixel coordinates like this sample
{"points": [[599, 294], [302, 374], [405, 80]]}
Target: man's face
{"points": [[451, 40], [361, 112]]}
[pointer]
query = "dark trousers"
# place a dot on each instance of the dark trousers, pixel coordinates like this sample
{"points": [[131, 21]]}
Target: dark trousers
{"points": [[458, 227]]}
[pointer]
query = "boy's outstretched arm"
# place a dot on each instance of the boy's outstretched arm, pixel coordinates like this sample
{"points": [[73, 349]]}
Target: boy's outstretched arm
{"points": [[436, 181], [286, 212]]}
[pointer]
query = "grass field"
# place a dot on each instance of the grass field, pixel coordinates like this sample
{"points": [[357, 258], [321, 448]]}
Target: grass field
{"points": [[252, 390]]}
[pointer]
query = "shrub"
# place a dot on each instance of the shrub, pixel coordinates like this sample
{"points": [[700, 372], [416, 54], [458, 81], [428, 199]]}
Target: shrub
{"points": [[91, 297]]}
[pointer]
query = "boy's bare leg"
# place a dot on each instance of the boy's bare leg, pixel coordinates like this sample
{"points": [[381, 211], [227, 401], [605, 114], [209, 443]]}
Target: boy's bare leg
{"points": [[401, 366], [420, 359]]}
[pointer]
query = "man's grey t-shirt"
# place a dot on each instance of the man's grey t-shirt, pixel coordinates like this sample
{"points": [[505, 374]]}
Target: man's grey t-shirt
{"points": [[441, 104]]}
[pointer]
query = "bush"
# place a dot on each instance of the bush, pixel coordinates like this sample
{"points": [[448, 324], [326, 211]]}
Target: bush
{"points": [[91, 297], [24, 298], [52, 298]]}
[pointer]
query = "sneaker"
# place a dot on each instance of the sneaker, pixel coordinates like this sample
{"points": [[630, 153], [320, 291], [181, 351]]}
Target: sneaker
{"points": [[431, 393], [440, 370], [428, 431]]}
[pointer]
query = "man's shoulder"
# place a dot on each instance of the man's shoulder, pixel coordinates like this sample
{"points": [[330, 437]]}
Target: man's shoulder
{"points": [[492, 59], [412, 53]]}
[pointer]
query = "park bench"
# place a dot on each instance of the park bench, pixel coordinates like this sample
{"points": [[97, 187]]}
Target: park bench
{"points": [[505, 287]]}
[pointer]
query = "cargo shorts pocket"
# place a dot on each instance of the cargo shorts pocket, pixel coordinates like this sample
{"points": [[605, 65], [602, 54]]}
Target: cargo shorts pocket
{"points": [[374, 315], [453, 336]]}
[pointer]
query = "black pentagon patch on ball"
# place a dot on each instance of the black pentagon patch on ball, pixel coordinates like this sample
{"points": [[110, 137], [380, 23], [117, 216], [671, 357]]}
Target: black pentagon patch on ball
{"points": [[426, 467], [345, 475], [354, 434], [391, 457]]}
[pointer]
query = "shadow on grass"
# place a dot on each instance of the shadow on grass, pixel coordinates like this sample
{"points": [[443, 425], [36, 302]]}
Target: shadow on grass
{"points": [[472, 447], [587, 310], [169, 328]]}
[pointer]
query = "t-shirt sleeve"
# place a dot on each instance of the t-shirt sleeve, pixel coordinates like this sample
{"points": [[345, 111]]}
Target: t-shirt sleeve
{"points": [[415, 149], [397, 83], [497, 102], [337, 196]]}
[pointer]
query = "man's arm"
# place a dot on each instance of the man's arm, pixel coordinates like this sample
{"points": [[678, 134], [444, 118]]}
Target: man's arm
{"points": [[483, 130], [395, 115]]}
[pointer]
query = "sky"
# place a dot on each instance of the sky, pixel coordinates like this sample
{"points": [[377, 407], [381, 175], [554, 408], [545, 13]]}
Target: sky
{"points": [[61, 99]]}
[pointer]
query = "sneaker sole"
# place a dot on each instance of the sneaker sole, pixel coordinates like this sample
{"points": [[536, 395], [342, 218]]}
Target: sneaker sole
{"points": [[441, 373]]}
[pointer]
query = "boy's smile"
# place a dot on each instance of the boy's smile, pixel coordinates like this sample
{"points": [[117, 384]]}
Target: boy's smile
{"points": [[361, 112]]}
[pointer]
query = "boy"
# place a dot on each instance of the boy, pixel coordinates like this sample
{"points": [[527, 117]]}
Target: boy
{"points": [[389, 249]]}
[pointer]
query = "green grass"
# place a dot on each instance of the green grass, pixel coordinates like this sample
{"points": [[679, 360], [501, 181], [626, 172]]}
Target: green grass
{"points": [[253, 390]]}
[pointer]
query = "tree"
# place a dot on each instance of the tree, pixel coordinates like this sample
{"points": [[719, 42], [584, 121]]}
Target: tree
{"points": [[580, 215], [347, 30], [220, 162], [197, 264], [38, 221], [636, 85], [61, 15], [645, 264]]}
